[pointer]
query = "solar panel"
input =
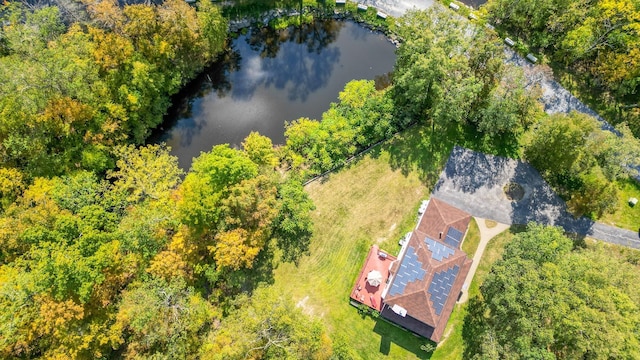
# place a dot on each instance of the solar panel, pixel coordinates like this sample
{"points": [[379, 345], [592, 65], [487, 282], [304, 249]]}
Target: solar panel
{"points": [[453, 238], [438, 250], [410, 270], [441, 287]]}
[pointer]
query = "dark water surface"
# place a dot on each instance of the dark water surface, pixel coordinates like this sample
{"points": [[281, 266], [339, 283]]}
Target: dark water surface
{"points": [[269, 77]]}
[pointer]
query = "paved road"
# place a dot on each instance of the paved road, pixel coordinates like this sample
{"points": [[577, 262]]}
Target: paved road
{"points": [[397, 7], [474, 182]]}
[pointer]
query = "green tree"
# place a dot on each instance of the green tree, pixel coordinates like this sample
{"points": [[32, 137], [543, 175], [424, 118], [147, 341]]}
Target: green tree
{"points": [[268, 326], [293, 227], [544, 300], [161, 320], [260, 150], [580, 160], [510, 108], [433, 48], [211, 176], [145, 172]]}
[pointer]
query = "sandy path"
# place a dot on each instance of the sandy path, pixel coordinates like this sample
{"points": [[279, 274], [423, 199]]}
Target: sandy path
{"points": [[486, 234]]}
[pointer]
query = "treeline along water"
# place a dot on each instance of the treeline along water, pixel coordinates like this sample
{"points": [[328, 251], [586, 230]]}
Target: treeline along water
{"points": [[268, 77]]}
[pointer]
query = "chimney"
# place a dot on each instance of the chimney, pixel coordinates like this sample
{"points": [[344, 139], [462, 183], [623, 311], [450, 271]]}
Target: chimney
{"points": [[440, 236]]}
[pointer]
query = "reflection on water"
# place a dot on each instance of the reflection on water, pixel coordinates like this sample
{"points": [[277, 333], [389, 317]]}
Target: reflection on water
{"points": [[269, 77]]}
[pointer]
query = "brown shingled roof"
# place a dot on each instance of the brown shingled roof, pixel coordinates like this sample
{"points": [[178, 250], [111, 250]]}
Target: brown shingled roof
{"points": [[414, 295], [439, 216]]}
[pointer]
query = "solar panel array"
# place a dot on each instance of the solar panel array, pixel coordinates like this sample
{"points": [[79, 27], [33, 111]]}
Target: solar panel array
{"points": [[410, 270], [441, 286], [438, 250], [453, 238]]}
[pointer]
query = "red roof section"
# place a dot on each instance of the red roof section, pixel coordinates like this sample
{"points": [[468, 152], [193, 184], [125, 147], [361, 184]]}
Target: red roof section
{"points": [[364, 293], [415, 296]]}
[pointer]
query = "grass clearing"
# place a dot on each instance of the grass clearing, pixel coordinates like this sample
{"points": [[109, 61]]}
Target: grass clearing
{"points": [[472, 240], [372, 200], [365, 203], [625, 216]]}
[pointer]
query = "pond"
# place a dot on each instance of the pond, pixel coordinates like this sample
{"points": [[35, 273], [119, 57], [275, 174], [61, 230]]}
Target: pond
{"points": [[269, 77]]}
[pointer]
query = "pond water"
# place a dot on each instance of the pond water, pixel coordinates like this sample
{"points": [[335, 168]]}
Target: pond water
{"points": [[269, 77]]}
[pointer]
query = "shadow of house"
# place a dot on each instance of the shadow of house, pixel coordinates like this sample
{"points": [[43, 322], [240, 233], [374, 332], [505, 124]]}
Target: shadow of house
{"points": [[389, 335]]}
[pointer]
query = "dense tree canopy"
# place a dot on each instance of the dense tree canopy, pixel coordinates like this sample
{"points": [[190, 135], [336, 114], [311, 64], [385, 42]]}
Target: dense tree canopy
{"points": [[581, 160], [547, 300], [450, 72], [70, 93], [102, 266]]}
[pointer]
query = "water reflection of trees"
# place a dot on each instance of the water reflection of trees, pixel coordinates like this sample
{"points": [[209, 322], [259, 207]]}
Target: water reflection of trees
{"points": [[303, 69], [316, 35], [286, 64], [218, 75]]}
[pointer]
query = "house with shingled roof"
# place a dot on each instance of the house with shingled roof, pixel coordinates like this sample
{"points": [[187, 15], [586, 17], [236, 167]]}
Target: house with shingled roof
{"points": [[424, 282]]}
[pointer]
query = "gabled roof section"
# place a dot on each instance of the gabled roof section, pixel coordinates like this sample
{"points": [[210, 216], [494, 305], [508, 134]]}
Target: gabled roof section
{"points": [[432, 268], [439, 218]]}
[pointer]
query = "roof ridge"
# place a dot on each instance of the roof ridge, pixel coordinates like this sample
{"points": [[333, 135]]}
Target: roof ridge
{"points": [[458, 213]]}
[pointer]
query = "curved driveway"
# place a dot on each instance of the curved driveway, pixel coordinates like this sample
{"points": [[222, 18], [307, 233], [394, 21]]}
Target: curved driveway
{"points": [[474, 182]]}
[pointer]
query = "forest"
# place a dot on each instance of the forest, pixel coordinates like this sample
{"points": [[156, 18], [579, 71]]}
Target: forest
{"points": [[109, 250]]}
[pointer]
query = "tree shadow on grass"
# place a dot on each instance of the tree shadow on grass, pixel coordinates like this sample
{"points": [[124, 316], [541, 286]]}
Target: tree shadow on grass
{"points": [[392, 334], [473, 327], [420, 149]]}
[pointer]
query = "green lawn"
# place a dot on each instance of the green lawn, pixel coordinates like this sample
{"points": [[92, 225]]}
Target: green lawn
{"points": [[626, 217], [373, 200], [366, 203], [472, 240]]}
